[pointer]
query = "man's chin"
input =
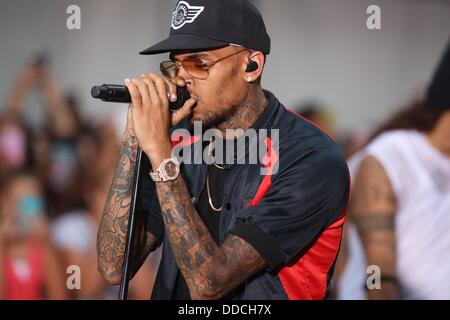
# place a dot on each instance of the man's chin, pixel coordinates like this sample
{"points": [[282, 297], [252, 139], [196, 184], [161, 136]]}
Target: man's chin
{"points": [[205, 124], [198, 117], [194, 121]]}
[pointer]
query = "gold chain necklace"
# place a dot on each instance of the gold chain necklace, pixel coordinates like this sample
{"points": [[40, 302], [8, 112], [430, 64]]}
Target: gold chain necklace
{"points": [[212, 158], [207, 179], [210, 198]]}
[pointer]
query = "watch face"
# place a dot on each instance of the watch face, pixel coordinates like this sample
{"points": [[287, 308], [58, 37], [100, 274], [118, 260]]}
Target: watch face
{"points": [[171, 168]]}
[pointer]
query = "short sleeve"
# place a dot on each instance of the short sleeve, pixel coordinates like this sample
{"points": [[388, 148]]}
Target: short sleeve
{"points": [[305, 197]]}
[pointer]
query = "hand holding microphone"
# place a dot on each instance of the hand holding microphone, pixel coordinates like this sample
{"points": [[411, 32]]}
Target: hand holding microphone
{"points": [[120, 94], [156, 105], [176, 94]]}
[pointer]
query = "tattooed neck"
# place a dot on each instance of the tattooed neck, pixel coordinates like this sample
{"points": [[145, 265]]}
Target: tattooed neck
{"points": [[246, 114]]}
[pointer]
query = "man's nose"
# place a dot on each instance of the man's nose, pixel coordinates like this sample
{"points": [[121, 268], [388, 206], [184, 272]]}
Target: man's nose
{"points": [[182, 73]]}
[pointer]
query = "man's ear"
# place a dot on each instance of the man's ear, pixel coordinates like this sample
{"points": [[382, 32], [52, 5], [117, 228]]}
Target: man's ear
{"points": [[255, 66]]}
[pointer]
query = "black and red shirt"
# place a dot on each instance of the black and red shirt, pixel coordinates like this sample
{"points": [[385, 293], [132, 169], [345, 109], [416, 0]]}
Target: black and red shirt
{"points": [[293, 218]]}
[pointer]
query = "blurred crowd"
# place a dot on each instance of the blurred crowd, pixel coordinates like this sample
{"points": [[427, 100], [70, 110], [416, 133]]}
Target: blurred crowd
{"points": [[396, 243], [54, 179]]}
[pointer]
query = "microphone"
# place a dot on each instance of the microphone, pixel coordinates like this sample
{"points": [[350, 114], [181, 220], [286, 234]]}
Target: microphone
{"points": [[120, 94]]}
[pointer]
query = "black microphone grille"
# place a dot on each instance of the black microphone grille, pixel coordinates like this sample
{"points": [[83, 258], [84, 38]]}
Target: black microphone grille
{"points": [[99, 92]]}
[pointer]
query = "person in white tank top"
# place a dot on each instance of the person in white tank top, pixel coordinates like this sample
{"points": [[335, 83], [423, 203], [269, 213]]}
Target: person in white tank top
{"points": [[419, 176], [400, 207]]}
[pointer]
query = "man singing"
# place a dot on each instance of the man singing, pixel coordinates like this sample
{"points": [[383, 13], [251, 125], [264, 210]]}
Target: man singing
{"points": [[229, 231]]}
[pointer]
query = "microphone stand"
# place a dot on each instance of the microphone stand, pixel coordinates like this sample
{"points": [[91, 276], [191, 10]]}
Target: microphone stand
{"points": [[128, 254]]}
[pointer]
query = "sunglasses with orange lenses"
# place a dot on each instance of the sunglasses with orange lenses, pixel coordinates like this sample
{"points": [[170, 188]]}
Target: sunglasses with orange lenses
{"points": [[194, 66]]}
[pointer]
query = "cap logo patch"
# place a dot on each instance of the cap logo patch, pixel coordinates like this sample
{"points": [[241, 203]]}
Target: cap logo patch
{"points": [[185, 13]]}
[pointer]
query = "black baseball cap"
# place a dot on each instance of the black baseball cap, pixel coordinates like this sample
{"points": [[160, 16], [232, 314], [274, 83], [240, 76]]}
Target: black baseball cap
{"points": [[438, 97], [212, 24]]}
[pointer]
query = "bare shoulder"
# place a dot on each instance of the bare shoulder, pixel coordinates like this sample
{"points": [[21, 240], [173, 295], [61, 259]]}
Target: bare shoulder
{"points": [[372, 187]]}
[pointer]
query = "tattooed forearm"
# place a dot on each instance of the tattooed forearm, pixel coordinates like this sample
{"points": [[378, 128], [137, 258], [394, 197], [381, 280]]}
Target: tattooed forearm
{"points": [[114, 223], [209, 270]]}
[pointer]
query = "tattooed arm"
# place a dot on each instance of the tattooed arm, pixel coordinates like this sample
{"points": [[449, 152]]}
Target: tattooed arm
{"points": [[210, 271], [113, 226], [373, 207]]}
